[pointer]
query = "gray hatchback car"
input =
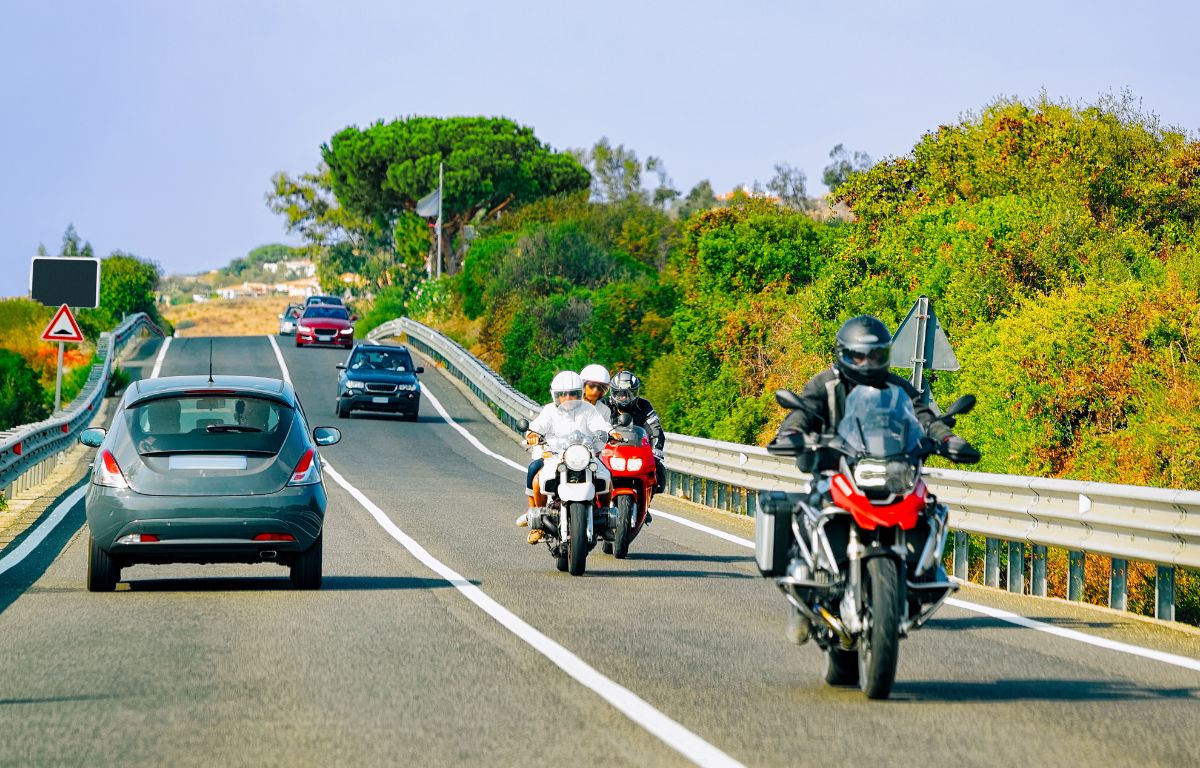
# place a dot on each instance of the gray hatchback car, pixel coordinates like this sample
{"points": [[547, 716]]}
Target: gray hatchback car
{"points": [[200, 470]]}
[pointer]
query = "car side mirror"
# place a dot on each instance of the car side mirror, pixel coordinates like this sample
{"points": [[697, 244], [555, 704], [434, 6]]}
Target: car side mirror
{"points": [[354, 318], [279, 316], [340, 366], [788, 399], [324, 436], [420, 369], [92, 437]]}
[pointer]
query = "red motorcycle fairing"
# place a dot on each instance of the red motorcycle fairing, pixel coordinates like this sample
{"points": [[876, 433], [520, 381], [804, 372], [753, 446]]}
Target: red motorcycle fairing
{"points": [[626, 482], [868, 516]]}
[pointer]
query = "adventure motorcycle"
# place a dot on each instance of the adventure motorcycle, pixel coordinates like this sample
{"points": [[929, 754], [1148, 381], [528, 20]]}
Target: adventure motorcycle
{"points": [[630, 460], [859, 557], [572, 519]]}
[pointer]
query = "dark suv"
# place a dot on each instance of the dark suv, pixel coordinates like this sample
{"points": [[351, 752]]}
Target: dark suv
{"points": [[379, 377]]}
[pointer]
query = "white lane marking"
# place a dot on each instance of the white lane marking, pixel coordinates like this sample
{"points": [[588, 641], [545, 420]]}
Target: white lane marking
{"points": [[42, 531], [162, 352], [625, 701], [1012, 618], [462, 431], [1071, 634], [279, 356]]}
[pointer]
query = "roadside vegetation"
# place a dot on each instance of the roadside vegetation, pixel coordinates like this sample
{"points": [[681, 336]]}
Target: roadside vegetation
{"points": [[28, 365]]}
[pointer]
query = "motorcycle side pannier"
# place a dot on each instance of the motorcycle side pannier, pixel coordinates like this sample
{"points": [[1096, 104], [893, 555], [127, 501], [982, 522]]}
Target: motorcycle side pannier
{"points": [[773, 531]]}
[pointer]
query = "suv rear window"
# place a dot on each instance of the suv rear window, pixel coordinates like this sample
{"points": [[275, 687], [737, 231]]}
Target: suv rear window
{"points": [[380, 360], [209, 424]]}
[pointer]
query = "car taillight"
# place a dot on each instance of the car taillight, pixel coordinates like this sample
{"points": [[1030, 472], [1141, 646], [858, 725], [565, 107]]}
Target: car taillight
{"points": [[274, 537], [138, 538], [108, 472], [307, 470]]}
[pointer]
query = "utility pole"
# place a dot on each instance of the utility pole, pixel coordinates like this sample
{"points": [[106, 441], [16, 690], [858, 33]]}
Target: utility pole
{"points": [[438, 229]]}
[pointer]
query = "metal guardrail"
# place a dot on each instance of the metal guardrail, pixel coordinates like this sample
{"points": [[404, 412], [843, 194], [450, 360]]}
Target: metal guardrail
{"points": [[1123, 522], [23, 449]]}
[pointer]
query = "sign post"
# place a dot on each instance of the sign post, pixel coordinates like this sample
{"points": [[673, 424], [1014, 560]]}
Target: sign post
{"points": [[62, 329], [921, 344]]}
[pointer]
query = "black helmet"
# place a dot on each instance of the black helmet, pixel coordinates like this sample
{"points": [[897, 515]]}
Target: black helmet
{"points": [[624, 388], [863, 349]]}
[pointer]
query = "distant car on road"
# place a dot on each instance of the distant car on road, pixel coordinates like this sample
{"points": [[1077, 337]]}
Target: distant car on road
{"points": [[287, 320], [335, 300], [325, 324], [200, 471], [379, 377]]}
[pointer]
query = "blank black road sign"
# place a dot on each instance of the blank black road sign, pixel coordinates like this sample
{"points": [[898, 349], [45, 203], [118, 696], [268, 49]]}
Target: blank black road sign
{"points": [[57, 280]]}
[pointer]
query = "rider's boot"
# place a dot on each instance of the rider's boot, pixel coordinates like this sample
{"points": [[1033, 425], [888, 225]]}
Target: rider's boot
{"points": [[535, 536]]}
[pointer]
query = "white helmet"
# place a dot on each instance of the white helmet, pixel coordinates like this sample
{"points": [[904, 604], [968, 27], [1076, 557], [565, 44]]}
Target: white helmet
{"points": [[567, 383], [595, 372]]}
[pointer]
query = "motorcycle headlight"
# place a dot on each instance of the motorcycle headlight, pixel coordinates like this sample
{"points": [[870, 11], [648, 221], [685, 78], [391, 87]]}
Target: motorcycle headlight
{"points": [[577, 457], [618, 463], [871, 474], [352, 384], [635, 465]]}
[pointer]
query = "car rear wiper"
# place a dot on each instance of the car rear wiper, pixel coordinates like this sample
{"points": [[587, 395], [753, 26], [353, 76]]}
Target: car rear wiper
{"points": [[230, 428]]}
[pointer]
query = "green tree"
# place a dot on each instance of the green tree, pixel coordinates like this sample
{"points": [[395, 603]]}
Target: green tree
{"points": [[491, 164], [22, 399], [838, 172], [788, 184], [699, 198]]}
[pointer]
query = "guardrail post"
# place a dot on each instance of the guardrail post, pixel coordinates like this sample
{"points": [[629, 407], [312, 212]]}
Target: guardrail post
{"points": [[710, 493], [962, 554], [1038, 558], [751, 502], [723, 496], [1117, 594], [695, 489], [1016, 567], [1164, 593], [991, 563], [1075, 576]]}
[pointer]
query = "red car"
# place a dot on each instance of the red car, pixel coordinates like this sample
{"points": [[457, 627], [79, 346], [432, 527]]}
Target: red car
{"points": [[327, 325]]}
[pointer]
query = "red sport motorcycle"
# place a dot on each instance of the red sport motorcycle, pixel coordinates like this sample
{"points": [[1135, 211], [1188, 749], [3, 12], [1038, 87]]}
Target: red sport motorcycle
{"points": [[859, 557], [631, 462]]}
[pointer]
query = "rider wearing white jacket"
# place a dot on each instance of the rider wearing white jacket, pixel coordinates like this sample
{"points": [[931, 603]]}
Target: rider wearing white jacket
{"points": [[595, 387], [566, 414]]}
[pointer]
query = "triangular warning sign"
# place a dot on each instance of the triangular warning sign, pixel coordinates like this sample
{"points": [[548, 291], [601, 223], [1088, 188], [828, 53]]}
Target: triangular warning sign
{"points": [[920, 339], [63, 327]]}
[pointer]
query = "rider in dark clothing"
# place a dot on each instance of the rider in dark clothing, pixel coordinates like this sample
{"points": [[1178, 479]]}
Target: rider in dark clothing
{"points": [[861, 358], [623, 398]]}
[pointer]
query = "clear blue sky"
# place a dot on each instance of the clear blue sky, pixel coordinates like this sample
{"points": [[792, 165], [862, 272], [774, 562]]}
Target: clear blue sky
{"points": [[155, 126]]}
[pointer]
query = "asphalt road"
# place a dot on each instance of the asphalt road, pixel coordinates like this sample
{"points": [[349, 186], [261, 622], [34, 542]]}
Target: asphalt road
{"points": [[391, 664]]}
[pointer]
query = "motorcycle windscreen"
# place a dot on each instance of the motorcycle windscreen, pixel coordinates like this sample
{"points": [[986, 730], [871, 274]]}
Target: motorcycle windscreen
{"points": [[880, 423]]}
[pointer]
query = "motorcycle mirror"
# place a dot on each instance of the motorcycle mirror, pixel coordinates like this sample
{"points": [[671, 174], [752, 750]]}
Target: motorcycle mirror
{"points": [[523, 425], [787, 398], [962, 405], [624, 419]]}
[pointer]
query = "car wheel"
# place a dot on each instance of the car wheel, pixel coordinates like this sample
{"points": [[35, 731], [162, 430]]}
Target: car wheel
{"points": [[102, 573], [343, 410], [306, 568], [414, 416]]}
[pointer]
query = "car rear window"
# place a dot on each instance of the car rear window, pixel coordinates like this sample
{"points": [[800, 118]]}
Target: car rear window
{"points": [[339, 313], [380, 360], [209, 424]]}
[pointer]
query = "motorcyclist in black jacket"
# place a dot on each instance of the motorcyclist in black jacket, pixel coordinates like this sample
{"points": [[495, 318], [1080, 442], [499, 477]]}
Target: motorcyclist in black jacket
{"points": [[623, 397], [860, 358]]}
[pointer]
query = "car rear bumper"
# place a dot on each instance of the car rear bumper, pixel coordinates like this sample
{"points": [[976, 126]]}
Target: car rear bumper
{"points": [[204, 529]]}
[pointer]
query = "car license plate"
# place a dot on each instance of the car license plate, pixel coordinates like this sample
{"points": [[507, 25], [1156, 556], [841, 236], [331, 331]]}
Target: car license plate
{"points": [[379, 399]]}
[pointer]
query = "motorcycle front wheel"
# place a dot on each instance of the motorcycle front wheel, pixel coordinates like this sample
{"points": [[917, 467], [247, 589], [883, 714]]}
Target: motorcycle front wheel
{"points": [[577, 547], [880, 648], [624, 524]]}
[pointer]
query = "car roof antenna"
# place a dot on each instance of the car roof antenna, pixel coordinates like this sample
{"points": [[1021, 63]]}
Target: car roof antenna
{"points": [[210, 345]]}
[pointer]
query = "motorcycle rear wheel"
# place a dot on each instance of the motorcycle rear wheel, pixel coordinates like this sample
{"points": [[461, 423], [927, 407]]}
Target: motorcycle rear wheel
{"points": [[625, 514], [577, 547], [880, 649]]}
